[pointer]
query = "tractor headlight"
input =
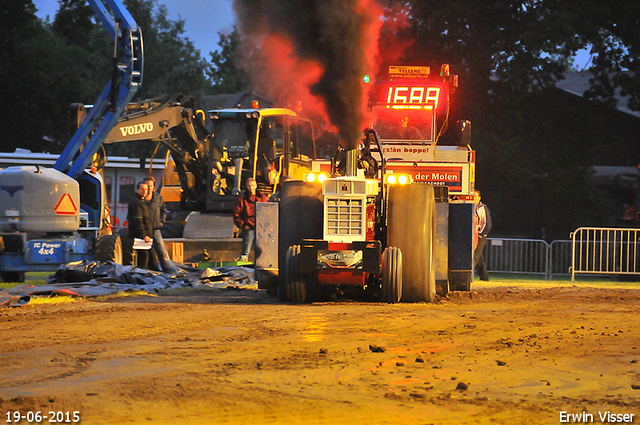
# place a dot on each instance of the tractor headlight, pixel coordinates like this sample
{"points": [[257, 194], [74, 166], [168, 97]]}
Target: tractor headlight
{"points": [[315, 177], [397, 178]]}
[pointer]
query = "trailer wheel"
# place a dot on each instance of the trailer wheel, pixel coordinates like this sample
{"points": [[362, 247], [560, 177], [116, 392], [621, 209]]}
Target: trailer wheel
{"points": [[296, 286], [108, 248], [391, 275], [412, 211], [9, 277]]}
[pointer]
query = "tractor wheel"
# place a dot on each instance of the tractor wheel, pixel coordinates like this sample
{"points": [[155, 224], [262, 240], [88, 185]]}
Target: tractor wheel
{"points": [[284, 291], [412, 211], [294, 281], [281, 289], [108, 248], [300, 218], [391, 275]]}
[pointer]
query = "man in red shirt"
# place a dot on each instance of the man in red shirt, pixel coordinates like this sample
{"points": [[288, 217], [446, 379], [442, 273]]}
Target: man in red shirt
{"points": [[244, 216]]}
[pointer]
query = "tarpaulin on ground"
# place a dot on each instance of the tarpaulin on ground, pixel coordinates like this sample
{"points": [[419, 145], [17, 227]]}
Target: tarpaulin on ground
{"points": [[90, 279]]}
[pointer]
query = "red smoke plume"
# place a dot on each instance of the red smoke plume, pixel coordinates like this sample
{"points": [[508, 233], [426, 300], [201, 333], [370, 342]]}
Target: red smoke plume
{"points": [[271, 69], [316, 52]]}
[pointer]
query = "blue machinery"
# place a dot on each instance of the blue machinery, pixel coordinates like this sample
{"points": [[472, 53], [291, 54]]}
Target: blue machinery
{"points": [[72, 232], [125, 81]]}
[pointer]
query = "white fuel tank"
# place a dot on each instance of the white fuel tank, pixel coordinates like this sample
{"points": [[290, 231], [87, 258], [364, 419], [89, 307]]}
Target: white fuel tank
{"points": [[38, 199]]}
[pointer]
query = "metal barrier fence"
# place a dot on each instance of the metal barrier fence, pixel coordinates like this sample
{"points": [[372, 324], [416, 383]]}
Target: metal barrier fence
{"points": [[517, 255], [600, 250], [560, 254], [528, 256], [591, 250]]}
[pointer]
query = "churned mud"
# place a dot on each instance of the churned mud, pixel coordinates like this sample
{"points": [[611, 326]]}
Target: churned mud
{"points": [[496, 355]]}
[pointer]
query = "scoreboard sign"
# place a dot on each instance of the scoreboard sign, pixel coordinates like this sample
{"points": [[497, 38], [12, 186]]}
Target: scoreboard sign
{"points": [[457, 177], [405, 152], [403, 95], [406, 96], [408, 72]]}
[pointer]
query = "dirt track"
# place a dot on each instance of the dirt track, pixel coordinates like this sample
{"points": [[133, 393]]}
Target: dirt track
{"points": [[229, 356]]}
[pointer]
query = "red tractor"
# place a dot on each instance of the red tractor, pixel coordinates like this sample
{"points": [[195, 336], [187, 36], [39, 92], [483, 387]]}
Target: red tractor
{"points": [[394, 217]]}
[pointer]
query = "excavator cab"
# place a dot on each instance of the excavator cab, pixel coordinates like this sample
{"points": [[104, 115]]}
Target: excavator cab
{"points": [[266, 144]]}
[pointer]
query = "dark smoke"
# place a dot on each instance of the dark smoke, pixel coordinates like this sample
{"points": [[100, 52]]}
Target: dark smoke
{"points": [[339, 36]]}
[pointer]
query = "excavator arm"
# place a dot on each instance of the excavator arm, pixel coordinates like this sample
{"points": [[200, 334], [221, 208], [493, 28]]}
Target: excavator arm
{"points": [[172, 123]]}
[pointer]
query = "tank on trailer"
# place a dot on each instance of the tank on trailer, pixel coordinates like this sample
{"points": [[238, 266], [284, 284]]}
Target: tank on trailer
{"points": [[38, 199]]}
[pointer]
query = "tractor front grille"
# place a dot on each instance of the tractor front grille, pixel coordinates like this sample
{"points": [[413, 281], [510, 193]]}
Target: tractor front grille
{"points": [[345, 217]]}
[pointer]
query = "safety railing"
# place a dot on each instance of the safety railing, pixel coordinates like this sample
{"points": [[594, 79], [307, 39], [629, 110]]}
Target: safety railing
{"points": [[507, 255], [560, 254], [601, 250], [528, 256]]}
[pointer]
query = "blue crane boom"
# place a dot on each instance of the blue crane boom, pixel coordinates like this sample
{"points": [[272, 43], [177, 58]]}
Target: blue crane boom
{"points": [[126, 79]]}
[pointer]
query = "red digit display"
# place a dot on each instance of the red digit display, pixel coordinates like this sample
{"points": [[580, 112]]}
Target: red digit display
{"points": [[408, 95], [412, 97]]}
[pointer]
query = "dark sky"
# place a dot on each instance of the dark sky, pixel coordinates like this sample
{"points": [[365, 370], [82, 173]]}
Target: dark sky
{"points": [[204, 19]]}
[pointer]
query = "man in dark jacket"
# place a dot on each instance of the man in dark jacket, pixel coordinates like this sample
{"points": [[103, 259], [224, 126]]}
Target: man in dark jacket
{"points": [[483, 227], [158, 213], [244, 216], [139, 220]]}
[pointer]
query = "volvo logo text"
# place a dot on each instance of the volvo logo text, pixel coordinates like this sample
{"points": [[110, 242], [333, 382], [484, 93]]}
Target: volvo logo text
{"points": [[132, 130]]}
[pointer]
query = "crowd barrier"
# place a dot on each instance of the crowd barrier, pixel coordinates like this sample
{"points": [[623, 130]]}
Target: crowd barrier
{"points": [[591, 250], [506, 255], [602, 250]]}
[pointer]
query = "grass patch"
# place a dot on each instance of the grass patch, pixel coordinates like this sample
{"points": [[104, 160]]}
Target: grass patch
{"points": [[54, 299], [32, 278]]}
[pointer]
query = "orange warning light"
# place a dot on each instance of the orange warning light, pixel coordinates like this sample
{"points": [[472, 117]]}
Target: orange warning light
{"points": [[65, 205]]}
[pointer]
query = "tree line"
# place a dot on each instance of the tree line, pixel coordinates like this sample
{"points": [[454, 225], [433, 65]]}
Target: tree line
{"points": [[46, 66], [535, 144]]}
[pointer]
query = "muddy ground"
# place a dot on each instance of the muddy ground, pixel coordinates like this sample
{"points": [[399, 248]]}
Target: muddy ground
{"points": [[497, 355]]}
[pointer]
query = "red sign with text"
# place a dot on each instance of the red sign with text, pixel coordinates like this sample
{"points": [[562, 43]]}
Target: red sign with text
{"points": [[445, 176]]}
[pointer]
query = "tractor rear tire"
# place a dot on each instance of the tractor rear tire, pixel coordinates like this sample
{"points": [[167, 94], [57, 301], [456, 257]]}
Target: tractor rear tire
{"points": [[294, 281], [108, 248], [300, 217], [391, 275], [412, 226]]}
